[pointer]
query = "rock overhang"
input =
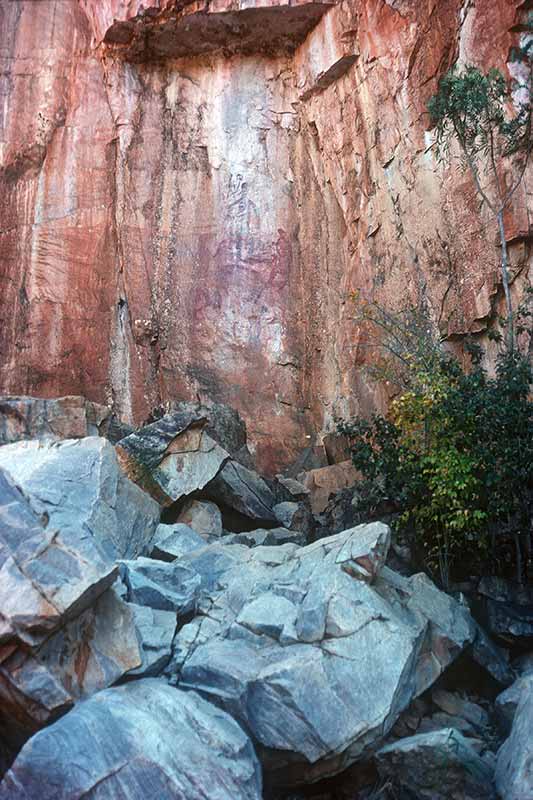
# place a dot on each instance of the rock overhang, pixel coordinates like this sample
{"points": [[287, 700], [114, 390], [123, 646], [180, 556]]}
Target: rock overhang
{"points": [[157, 30]]}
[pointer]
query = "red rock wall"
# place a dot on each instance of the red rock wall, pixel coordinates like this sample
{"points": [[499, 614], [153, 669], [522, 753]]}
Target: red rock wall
{"points": [[174, 227]]}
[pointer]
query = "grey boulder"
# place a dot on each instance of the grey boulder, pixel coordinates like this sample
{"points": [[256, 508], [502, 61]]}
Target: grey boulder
{"points": [[46, 576], [160, 585], [63, 632], [173, 541], [142, 740], [296, 517], [173, 457], [514, 765], [88, 653], [202, 516], [440, 765], [155, 632], [81, 488], [506, 704], [267, 537], [506, 610], [176, 456], [243, 491], [313, 649]]}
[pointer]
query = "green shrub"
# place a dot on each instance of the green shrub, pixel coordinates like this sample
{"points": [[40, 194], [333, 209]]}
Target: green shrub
{"points": [[453, 457]]}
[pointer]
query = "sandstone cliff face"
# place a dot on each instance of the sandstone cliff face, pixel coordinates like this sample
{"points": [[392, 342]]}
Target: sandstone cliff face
{"points": [[188, 197]]}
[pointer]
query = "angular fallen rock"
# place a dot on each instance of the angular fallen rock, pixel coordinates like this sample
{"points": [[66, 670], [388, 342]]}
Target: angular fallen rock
{"points": [[506, 704], [81, 487], [63, 632], [492, 658], [89, 653], [296, 517], [203, 517], [267, 537], [244, 491], [160, 585], [506, 610], [316, 661], [223, 424], [441, 765], [172, 457], [514, 765], [452, 703], [173, 541], [71, 417], [46, 577], [365, 552], [138, 741], [155, 631], [325, 482]]}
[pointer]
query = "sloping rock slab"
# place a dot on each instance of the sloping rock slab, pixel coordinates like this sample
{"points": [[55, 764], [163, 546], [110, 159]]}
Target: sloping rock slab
{"points": [[172, 457], [173, 541], [242, 490], [161, 585], [46, 577], [223, 424], [80, 486], [514, 766], [267, 537], [314, 657], [139, 741], [441, 765], [155, 631], [507, 702], [89, 653]]}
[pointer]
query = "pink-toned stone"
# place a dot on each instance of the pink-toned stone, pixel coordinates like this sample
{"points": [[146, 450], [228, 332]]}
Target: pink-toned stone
{"points": [[50, 420], [327, 481], [194, 226]]}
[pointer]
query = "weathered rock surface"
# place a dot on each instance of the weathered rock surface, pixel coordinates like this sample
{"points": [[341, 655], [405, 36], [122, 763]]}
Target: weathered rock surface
{"points": [[505, 609], [441, 765], [296, 517], [508, 701], [160, 585], [203, 517], [155, 632], [243, 491], [326, 482], [81, 487], [283, 632], [267, 538], [89, 653], [141, 740], [514, 772], [173, 541], [45, 576], [172, 457], [314, 155], [53, 420]]}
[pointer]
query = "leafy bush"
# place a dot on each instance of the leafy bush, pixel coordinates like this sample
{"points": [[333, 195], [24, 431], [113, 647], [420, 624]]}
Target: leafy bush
{"points": [[453, 456]]}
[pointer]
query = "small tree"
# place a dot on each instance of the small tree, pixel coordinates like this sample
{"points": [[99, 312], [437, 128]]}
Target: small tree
{"points": [[474, 109]]}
